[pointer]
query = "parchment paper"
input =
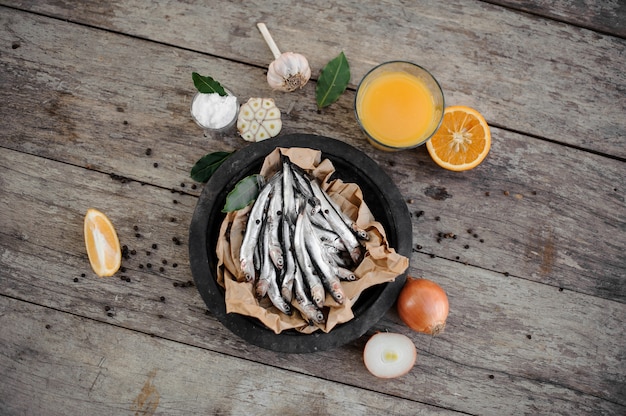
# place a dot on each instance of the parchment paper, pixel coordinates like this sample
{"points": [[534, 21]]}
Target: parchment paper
{"points": [[380, 264]]}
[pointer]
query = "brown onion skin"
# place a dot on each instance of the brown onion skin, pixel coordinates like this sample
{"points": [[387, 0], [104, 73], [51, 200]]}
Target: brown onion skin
{"points": [[423, 306]]}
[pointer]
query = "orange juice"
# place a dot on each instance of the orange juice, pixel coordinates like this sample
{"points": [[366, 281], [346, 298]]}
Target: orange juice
{"points": [[397, 109]]}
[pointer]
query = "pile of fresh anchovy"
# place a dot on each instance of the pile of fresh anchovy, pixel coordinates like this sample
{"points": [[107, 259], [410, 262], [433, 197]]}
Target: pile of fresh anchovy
{"points": [[298, 244]]}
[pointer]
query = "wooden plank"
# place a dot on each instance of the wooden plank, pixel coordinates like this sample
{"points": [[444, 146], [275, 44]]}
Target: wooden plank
{"points": [[492, 314], [99, 368], [555, 223], [602, 16], [569, 80]]}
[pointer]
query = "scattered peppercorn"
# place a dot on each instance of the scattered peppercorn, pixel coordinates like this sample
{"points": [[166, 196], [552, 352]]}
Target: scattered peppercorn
{"points": [[136, 228], [155, 164], [457, 257], [432, 256], [529, 336], [419, 247], [161, 269], [125, 122], [560, 289], [107, 308], [138, 235], [487, 193], [164, 261], [466, 246], [491, 376], [148, 253], [470, 231], [175, 201], [76, 279], [133, 252], [475, 236], [148, 151], [109, 314], [175, 284], [182, 184], [506, 274], [174, 265], [48, 326], [534, 192], [141, 266], [481, 240], [82, 275], [172, 219], [437, 218], [154, 246], [193, 186], [162, 298], [123, 269], [15, 45], [419, 213], [439, 240]]}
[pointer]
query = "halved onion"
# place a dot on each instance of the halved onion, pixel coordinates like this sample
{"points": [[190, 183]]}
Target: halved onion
{"points": [[389, 355]]}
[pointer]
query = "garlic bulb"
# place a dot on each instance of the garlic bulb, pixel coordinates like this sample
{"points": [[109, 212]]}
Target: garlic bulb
{"points": [[259, 119], [289, 71]]}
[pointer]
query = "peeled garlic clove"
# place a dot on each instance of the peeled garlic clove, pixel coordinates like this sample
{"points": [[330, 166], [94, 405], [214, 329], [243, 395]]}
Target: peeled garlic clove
{"points": [[259, 119], [289, 72]]}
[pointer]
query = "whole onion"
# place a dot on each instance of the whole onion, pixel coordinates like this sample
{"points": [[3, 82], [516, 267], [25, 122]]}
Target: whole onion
{"points": [[423, 306]]}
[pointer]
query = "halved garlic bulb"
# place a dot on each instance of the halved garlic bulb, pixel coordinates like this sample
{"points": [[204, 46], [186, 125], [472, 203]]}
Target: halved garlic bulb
{"points": [[259, 119], [289, 71], [389, 355]]}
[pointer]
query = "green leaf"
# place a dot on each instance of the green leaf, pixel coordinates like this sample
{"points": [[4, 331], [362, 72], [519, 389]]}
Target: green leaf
{"points": [[244, 193], [332, 81], [207, 165], [207, 85]]}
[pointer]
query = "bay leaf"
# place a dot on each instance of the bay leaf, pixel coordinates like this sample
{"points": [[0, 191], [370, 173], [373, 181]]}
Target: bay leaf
{"points": [[207, 165], [207, 85], [333, 81], [244, 193]]}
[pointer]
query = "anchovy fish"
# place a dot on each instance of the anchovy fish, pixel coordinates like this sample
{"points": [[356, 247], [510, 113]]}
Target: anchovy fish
{"points": [[311, 312], [274, 219], [314, 283], [253, 230], [339, 226], [322, 263], [289, 269]]}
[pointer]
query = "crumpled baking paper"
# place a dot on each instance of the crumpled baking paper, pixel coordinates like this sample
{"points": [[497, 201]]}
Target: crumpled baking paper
{"points": [[380, 264]]}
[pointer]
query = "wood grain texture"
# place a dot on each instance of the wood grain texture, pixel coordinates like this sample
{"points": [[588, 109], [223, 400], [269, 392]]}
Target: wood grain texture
{"points": [[570, 332], [99, 368], [95, 112], [601, 16], [523, 72], [554, 223]]}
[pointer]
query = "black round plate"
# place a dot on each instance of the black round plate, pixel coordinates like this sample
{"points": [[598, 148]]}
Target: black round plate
{"points": [[351, 165]]}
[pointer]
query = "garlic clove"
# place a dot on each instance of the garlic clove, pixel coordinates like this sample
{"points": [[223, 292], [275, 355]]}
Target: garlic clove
{"points": [[259, 119]]}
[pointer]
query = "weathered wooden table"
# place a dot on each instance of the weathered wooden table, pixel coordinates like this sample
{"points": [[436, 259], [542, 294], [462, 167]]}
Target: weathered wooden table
{"points": [[538, 297]]}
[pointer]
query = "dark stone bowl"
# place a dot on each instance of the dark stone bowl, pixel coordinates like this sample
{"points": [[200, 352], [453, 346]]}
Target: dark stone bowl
{"points": [[351, 165]]}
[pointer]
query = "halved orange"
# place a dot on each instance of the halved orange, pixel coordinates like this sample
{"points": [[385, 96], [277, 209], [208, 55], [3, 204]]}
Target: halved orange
{"points": [[462, 141], [103, 246]]}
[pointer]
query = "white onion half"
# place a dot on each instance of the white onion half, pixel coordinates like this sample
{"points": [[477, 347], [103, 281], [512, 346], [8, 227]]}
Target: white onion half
{"points": [[388, 355]]}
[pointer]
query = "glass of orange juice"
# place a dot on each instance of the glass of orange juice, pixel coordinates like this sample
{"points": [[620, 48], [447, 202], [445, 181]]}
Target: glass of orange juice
{"points": [[399, 105]]}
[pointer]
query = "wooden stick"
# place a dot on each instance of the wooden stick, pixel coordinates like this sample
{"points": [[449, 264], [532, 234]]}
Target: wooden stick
{"points": [[268, 39]]}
